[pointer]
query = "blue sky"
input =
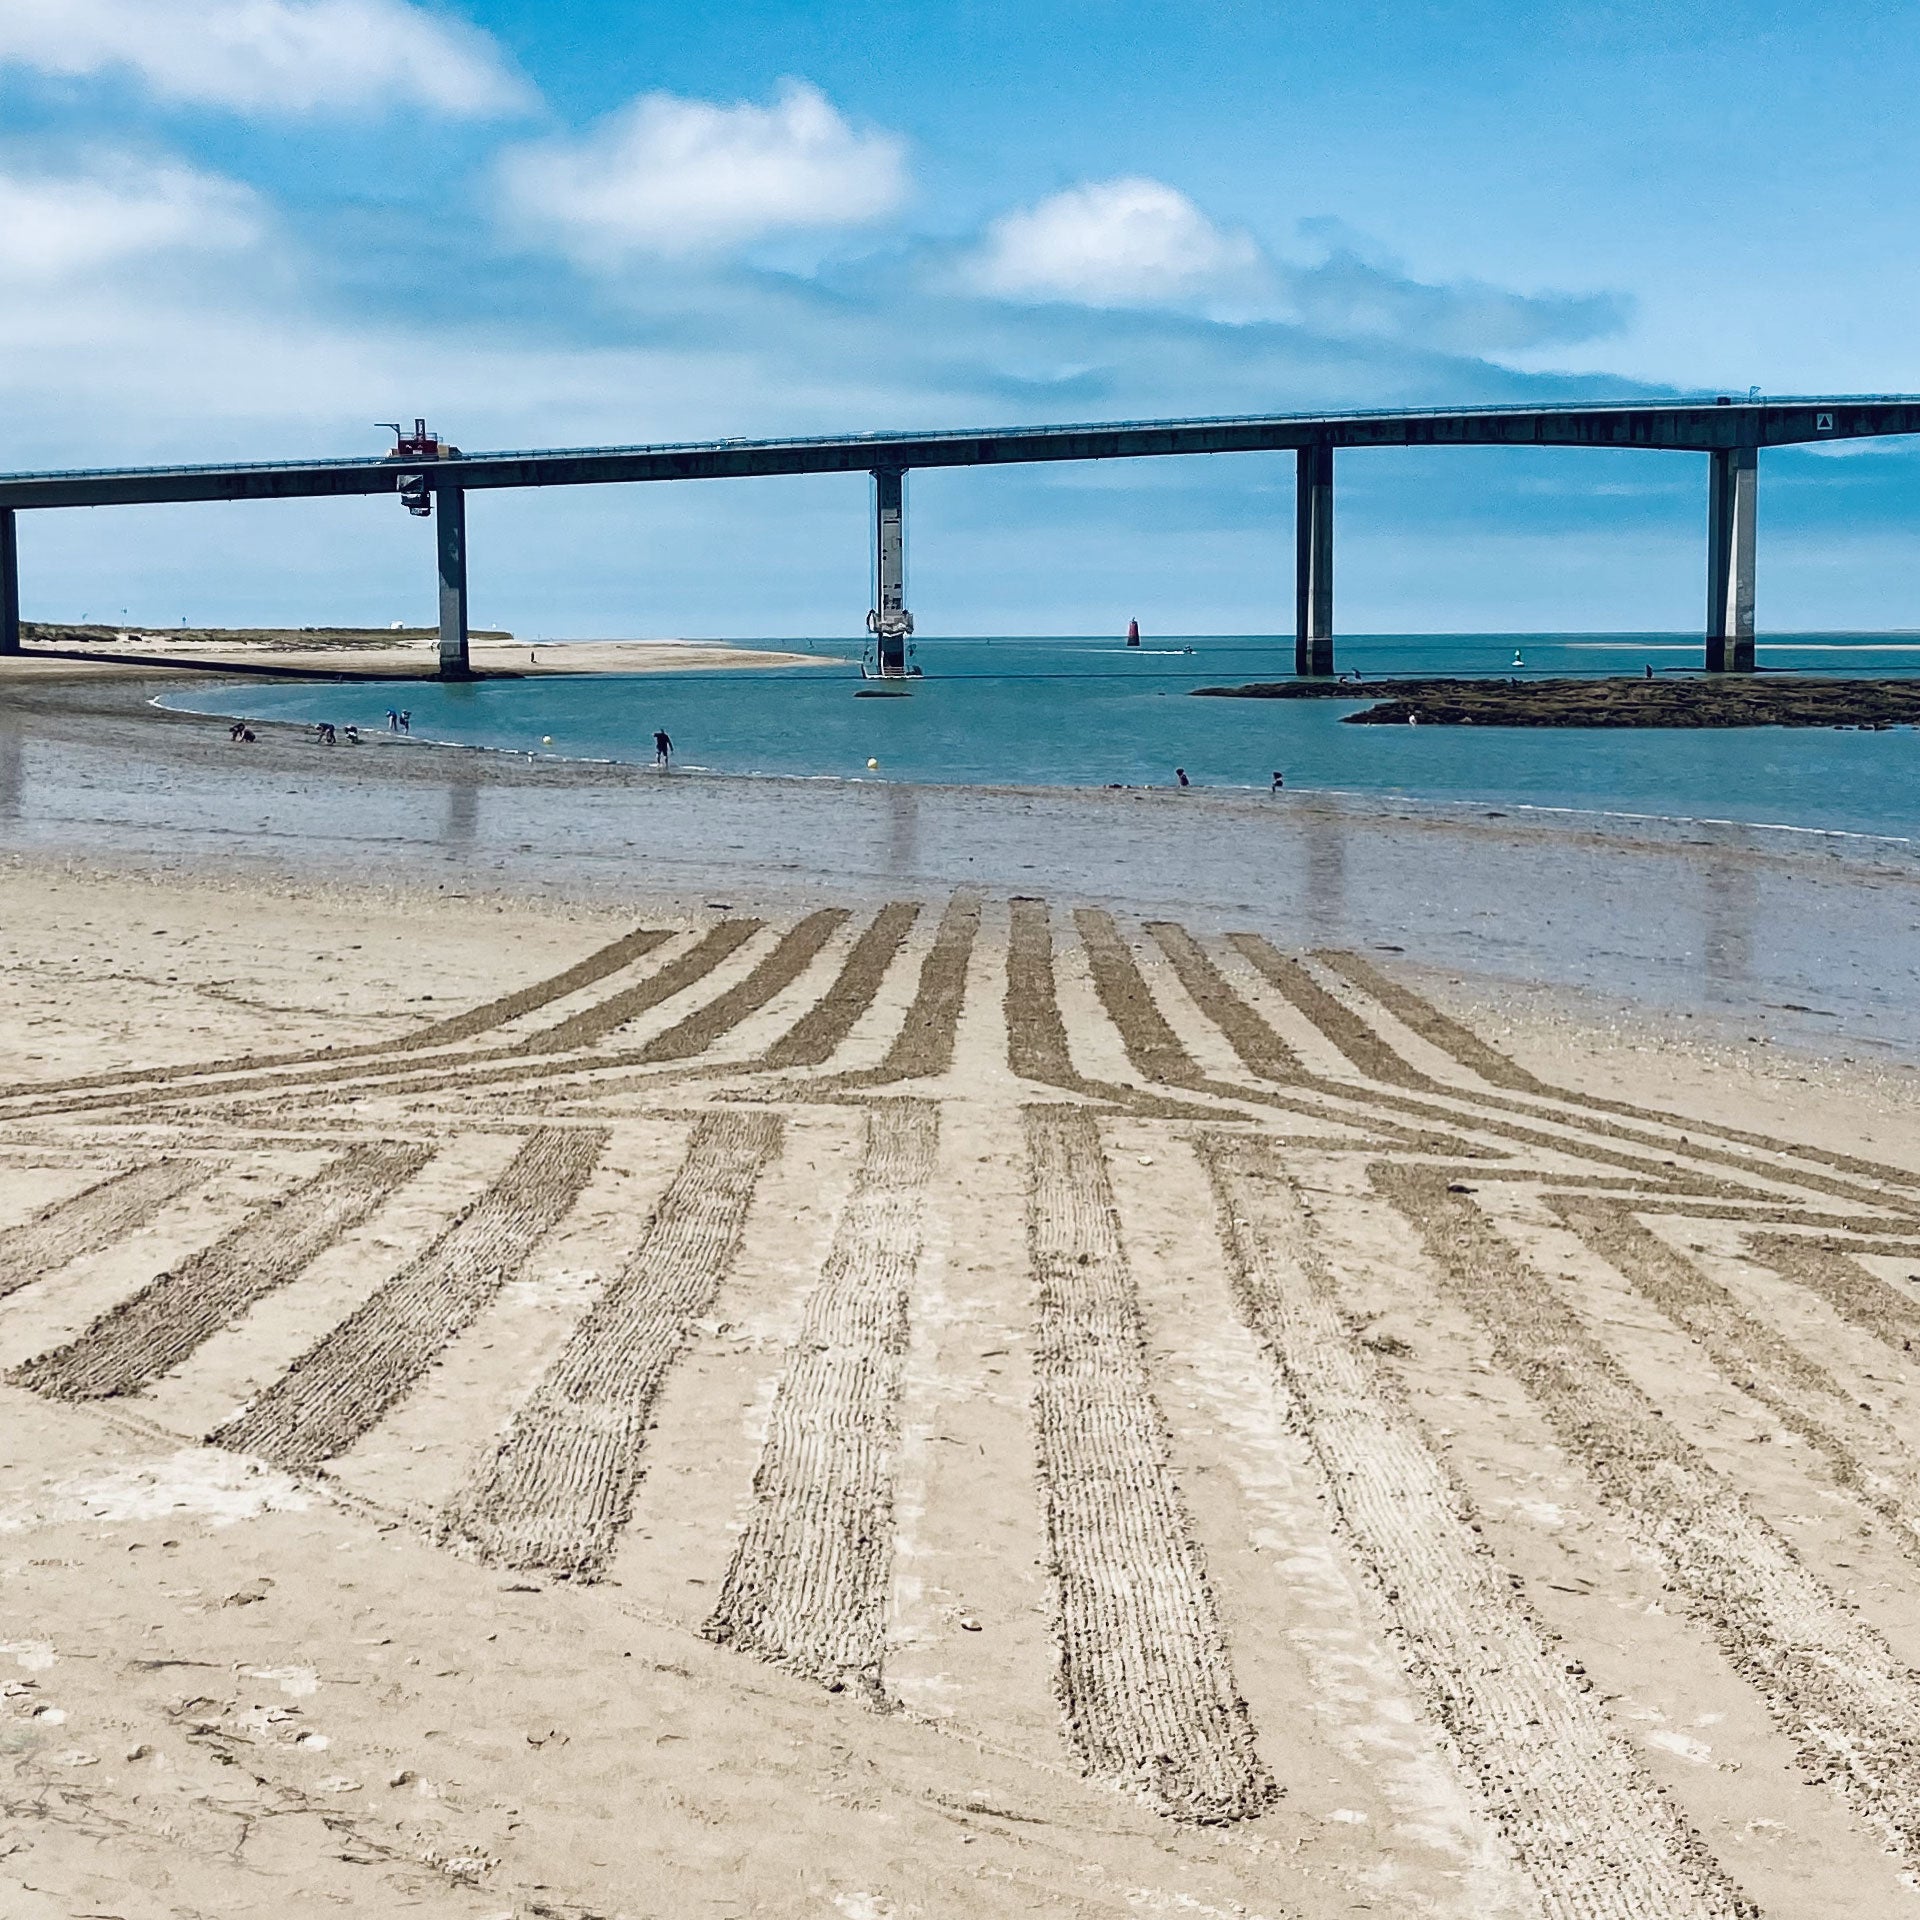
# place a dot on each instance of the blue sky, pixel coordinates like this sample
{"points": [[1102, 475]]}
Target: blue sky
{"points": [[251, 228]]}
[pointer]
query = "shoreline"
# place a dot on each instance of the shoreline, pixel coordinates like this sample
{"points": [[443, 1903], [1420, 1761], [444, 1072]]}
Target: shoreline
{"points": [[1464, 809], [1799, 933]]}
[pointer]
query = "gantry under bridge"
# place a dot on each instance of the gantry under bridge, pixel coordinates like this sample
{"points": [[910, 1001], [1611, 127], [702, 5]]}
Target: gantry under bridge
{"points": [[435, 479]]}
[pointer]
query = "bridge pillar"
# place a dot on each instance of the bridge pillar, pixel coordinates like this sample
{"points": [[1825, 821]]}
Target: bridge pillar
{"points": [[450, 518], [889, 621], [9, 582], [1731, 490], [1313, 562]]}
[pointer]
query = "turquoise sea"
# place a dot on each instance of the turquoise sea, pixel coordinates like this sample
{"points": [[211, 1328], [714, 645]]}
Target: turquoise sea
{"points": [[1093, 712]]}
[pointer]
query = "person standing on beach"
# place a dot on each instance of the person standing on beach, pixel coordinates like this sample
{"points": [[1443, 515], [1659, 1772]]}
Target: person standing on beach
{"points": [[393, 720], [1279, 782], [662, 747], [1180, 774], [406, 719]]}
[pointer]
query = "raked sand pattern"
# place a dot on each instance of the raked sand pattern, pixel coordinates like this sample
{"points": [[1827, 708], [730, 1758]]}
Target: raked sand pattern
{"points": [[1357, 1188]]}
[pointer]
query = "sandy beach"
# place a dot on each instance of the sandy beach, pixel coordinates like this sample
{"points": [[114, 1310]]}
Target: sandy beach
{"points": [[408, 655], [586, 1343]]}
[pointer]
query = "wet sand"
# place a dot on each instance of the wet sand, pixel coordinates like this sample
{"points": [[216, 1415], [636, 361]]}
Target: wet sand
{"points": [[1796, 937], [580, 1342]]}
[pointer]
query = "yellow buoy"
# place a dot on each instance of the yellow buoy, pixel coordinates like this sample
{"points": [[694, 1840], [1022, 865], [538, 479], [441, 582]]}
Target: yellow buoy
{"points": [[873, 763], [546, 739]]}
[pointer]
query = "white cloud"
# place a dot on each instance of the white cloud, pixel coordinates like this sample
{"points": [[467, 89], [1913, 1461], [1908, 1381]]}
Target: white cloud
{"points": [[252, 55], [1112, 243], [675, 177], [118, 209]]}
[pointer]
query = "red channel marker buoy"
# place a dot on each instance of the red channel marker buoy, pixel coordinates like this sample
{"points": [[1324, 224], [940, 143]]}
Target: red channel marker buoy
{"points": [[1133, 633]]}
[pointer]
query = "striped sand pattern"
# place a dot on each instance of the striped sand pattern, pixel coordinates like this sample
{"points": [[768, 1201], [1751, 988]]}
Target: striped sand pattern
{"points": [[338, 1389], [557, 1489], [1864, 1454], [923, 1048], [1854, 1291], [153, 1332], [1831, 1682], [1564, 1787], [1145, 1681], [807, 1586], [1053, 1453], [816, 1036], [791, 956], [107, 1211]]}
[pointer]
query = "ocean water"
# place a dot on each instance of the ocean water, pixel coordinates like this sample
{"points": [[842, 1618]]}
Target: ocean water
{"points": [[1094, 712]]}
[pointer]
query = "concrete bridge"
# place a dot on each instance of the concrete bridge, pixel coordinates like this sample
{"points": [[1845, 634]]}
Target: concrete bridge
{"points": [[434, 480]]}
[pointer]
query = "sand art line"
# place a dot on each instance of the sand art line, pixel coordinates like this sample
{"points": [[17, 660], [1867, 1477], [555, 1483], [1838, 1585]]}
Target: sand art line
{"points": [[813, 1038], [1358, 1043], [706, 1026], [610, 959], [807, 1586], [1144, 1679], [100, 1216], [1863, 1453], [344, 1384], [618, 1009], [560, 1049], [556, 1490], [157, 1329], [1037, 1047], [1156, 1052], [1419, 1015], [1371, 1055], [1831, 1683], [1255, 1040], [1562, 1786], [1259, 1047], [818, 1034], [923, 1048], [539, 1057], [1853, 1291], [795, 951], [1759, 1213], [1439, 1030]]}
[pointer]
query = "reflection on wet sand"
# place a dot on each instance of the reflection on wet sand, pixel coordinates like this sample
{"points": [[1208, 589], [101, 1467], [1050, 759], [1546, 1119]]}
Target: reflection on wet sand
{"points": [[1325, 834], [12, 772], [461, 827], [903, 830], [1729, 902]]}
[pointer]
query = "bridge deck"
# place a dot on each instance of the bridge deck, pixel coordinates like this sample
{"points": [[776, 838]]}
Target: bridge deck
{"points": [[1678, 427]]}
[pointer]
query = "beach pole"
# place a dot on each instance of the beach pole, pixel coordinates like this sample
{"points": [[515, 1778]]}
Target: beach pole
{"points": [[1732, 486], [450, 515], [890, 620], [1313, 562], [9, 582]]}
